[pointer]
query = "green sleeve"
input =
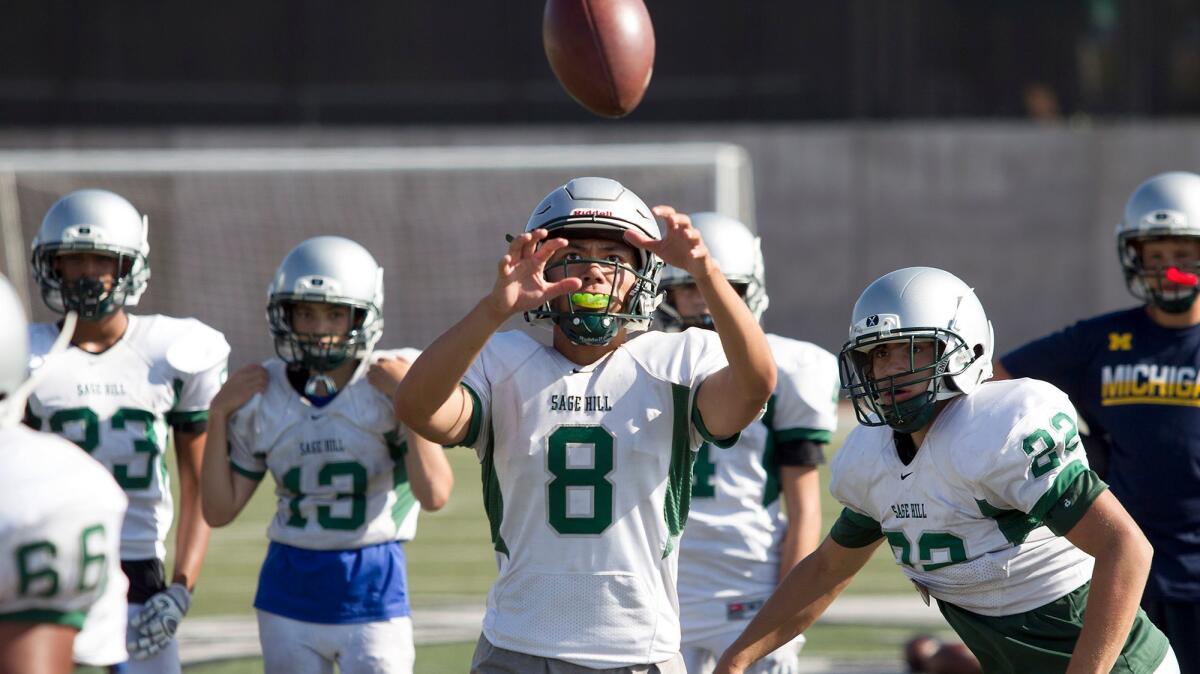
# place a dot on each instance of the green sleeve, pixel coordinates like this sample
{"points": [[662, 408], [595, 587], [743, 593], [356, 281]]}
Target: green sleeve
{"points": [[1074, 502], [476, 419], [723, 443], [854, 530]]}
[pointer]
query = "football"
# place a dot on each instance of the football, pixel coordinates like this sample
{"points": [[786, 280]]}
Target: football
{"points": [[918, 650], [954, 659], [601, 51]]}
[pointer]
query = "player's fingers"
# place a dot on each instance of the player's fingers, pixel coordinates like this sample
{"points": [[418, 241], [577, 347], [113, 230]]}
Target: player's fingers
{"points": [[635, 238], [536, 237], [503, 267], [514, 247], [567, 285], [548, 249], [663, 210]]}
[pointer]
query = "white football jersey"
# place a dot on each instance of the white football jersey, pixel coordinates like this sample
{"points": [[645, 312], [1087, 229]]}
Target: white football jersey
{"points": [[120, 404], [586, 472], [60, 529], [339, 469], [730, 551], [965, 518]]}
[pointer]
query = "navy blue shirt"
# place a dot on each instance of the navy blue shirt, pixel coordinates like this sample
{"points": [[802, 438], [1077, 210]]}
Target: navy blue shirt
{"points": [[1135, 381]]}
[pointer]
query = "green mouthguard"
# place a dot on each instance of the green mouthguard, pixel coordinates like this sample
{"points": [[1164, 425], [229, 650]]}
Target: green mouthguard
{"points": [[590, 300]]}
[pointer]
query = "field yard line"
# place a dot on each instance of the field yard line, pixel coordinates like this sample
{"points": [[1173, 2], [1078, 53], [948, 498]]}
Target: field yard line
{"points": [[224, 637]]}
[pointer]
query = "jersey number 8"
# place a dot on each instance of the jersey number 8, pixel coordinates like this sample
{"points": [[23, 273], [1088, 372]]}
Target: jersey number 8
{"points": [[580, 496]]}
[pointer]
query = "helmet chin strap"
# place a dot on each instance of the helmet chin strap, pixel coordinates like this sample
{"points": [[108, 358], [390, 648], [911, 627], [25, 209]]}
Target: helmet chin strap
{"points": [[589, 329], [913, 414]]}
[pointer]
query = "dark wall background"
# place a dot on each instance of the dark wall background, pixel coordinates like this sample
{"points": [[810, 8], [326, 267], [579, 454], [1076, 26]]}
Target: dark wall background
{"points": [[403, 61]]}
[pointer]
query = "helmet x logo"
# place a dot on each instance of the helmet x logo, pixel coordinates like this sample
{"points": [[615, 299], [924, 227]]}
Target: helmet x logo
{"points": [[872, 320]]}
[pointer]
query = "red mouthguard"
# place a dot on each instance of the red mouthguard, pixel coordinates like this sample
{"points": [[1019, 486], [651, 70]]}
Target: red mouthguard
{"points": [[1182, 278]]}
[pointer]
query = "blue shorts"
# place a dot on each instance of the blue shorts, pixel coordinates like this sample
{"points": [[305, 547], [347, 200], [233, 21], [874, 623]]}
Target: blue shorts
{"points": [[334, 586]]}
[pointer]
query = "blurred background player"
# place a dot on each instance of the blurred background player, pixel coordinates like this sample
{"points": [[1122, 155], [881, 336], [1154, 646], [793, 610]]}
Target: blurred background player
{"points": [[60, 524], [981, 490], [333, 588], [587, 445], [739, 544], [127, 382], [1132, 374]]}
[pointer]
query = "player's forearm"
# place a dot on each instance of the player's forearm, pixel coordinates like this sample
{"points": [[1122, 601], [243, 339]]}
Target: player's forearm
{"points": [[216, 476], [1117, 580], [802, 499], [429, 473], [751, 365], [794, 606], [424, 400], [191, 532], [802, 537]]}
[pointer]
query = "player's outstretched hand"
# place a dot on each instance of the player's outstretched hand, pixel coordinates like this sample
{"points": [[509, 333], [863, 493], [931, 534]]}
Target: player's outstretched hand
{"points": [[680, 246], [521, 283], [153, 627], [386, 372], [241, 387]]}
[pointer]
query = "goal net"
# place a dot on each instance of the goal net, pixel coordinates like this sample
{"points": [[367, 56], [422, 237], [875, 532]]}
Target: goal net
{"points": [[435, 218]]}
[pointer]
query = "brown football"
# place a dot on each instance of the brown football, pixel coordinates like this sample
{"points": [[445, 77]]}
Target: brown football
{"points": [[954, 659], [601, 51], [918, 650]]}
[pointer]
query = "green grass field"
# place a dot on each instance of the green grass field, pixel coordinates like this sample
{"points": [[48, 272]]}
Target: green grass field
{"points": [[451, 561]]}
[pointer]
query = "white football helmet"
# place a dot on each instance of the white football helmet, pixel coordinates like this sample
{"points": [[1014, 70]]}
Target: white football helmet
{"points": [[907, 306], [92, 221], [1165, 206], [334, 270], [738, 252], [601, 208]]}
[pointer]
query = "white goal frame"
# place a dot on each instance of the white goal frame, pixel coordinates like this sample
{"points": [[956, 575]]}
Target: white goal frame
{"points": [[733, 180]]}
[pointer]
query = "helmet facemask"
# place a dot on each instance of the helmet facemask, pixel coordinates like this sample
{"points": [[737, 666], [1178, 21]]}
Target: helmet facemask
{"points": [[590, 318], [1147, 283], [874, 398], [672, 318], [91, 298], [320, 353]]}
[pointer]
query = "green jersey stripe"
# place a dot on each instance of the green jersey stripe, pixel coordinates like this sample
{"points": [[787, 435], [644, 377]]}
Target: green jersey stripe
{"points": [[679, 494], [46, 616]]}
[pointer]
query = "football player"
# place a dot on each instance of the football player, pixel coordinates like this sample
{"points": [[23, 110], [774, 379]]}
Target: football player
{"points": [[333, 588], [125, 383], [1132, 374], [60, 524], [586, 446], [983, 493], [739, 544]]}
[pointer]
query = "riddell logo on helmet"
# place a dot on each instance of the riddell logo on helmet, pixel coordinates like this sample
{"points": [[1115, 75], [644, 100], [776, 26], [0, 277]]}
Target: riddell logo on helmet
{"points": [[591, 211]]}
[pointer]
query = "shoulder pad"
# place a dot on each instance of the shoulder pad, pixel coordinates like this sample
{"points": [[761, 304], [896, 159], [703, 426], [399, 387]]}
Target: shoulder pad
{"points": [[993, 412], [196, 348]]}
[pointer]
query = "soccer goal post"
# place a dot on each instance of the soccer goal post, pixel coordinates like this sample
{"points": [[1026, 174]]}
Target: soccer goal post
{"points": [[434, 217]]}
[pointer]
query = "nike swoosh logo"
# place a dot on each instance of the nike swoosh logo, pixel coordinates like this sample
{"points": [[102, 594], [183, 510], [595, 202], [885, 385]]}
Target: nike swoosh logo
{"points": [[904, 475]]}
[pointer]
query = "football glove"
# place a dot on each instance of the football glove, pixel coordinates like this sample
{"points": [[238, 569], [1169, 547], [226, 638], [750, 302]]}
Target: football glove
{"points": [[154, 626]]}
